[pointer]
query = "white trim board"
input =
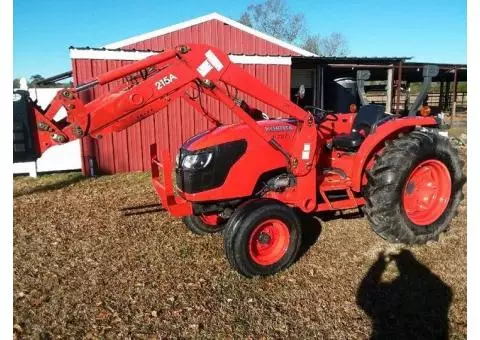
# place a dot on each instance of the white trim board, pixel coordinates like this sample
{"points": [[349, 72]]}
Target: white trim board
{"points": [[260, 60], [109, 55], [208, 17], [139, 55]]}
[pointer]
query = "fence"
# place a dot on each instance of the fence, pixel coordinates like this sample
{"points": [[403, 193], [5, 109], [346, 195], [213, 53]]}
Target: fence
{"points": [[434, 100]]}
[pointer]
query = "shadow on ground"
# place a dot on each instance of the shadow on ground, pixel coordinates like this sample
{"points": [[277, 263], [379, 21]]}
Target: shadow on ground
{"points": [[311, 230], [142, 209], [414, 305], [49, 185], [312, 227]]}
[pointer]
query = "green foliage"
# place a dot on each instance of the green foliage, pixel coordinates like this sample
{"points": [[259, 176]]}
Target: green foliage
{"points": [[435, 87], [462, 86], [35, 79]]}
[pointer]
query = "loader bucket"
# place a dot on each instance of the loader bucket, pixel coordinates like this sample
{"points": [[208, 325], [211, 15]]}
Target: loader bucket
{"points": [[24, 145]]}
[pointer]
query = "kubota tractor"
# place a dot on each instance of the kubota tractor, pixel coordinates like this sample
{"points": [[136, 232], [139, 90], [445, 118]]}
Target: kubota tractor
{"points": [[251, 180]]}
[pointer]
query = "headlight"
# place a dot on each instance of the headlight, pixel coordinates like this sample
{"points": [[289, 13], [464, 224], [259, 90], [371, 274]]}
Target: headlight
{"points": [[197, 161]]}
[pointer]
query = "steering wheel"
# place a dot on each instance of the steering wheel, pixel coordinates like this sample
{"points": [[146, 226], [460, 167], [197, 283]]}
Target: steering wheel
{"points": [[320, 114]]}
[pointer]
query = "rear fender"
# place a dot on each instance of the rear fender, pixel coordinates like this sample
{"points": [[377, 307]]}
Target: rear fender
{"points": [[376, 140]]}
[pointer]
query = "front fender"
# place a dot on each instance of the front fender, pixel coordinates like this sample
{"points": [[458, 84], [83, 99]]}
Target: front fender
{"points": [[381, 134]]}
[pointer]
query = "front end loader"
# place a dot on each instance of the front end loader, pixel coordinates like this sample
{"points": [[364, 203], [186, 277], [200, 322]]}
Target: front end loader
{"points": [[251, 180]]}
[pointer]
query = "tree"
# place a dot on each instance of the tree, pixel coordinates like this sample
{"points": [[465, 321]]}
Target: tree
{"points": [[273, 17], [33, 82], [16, 83], [312, 43], [35, 79], [334, 45]]}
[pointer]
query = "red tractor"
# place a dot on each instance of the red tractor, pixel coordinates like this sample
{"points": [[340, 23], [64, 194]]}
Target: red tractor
{"points": [[251, 180]]}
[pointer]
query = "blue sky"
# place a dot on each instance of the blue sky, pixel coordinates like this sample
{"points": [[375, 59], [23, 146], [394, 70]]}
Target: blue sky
{"points": [[429, 30]]}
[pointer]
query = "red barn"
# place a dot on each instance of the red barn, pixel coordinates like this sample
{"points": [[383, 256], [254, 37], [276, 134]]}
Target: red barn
{"points": [[265, 57]]}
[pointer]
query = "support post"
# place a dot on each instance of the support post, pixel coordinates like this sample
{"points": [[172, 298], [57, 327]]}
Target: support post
{"points": [[455, 83], [33, 170], [399, 88], [447, 95], [319, 87], [440, 98], [388, 106]]}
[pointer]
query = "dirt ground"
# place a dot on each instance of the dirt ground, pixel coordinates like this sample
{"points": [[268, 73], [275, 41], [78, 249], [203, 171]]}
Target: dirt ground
{"points": [[84, 268]]}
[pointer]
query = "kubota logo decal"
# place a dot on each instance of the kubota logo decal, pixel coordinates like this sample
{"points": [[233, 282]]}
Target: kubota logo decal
{"points": [[167, 80], [279, 128]]}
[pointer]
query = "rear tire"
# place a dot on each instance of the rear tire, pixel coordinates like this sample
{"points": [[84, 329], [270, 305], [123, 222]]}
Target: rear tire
{"points": [[414, 188], [262, 237], [204, 224]]}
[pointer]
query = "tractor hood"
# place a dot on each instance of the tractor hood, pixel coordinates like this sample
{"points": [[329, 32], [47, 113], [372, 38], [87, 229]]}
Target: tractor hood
{"points": [[282, 130]]}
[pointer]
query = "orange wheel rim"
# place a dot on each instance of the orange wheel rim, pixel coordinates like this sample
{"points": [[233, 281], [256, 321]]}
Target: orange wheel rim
{"points": [[269, 242], [427, 192]]}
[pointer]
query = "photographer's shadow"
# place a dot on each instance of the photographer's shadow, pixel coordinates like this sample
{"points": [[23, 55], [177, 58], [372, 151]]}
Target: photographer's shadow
{"points": [[414, 305]]}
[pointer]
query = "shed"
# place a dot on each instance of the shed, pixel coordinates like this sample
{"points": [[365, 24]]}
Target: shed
{"points": [[263, 56]]}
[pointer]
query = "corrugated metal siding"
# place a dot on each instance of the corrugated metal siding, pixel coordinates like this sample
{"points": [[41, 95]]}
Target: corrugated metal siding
{"points": [[216, 33], [128, 150]]}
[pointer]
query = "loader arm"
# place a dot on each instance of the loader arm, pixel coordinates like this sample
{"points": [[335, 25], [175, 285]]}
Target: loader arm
{"points": [[153, 83]]}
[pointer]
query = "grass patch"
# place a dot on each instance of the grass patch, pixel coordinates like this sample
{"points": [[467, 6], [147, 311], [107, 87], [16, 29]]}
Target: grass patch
{"points": [[82, 269]]}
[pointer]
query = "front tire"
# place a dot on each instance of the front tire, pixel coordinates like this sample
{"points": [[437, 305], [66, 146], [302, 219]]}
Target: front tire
{"points": [[262, 238], [204, 224], [414, 188]]}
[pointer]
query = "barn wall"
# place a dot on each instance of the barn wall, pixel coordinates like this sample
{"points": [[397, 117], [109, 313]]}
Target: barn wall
{"points": [[215, 33], [128, 150]]}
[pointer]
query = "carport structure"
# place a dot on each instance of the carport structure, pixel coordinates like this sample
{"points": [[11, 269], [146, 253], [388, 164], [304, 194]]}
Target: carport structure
{"points": [[395, 75]]}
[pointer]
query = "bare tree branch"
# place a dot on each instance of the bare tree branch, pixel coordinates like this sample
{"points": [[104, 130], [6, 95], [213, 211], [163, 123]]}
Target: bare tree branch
{"points": [[275, 18], [312, 44], [334, 45]]}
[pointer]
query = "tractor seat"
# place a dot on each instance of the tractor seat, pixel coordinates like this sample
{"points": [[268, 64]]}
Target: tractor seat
{"points": [[367, 117]]}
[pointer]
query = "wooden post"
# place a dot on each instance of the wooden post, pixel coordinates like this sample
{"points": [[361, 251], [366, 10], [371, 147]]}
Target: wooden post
{"points": [[455, 83], [447, 95], [399, 87], [440, 98], [388, 106]]}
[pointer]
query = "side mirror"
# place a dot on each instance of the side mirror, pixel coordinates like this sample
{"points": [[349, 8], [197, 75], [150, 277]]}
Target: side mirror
{"points": [[301, 92]]}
